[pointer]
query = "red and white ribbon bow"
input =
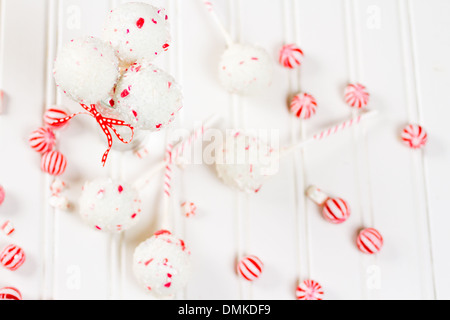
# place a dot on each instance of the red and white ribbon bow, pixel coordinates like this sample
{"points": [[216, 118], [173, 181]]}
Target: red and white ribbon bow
{"points": [[105, 124]]}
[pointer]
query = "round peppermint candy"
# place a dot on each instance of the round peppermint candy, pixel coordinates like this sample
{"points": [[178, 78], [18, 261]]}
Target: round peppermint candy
{"points": [[304, 106], [336, 210], [369, 241], [12, 257], [10, 293], [356, 95], [291, 56], [309, 290], [250, 268], [53, 163], [53, 114], [42, 140], [414, 136]]}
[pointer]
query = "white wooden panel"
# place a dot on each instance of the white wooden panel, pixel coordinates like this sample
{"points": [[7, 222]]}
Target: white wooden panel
{"points": [[21, 78], [431, 45]]}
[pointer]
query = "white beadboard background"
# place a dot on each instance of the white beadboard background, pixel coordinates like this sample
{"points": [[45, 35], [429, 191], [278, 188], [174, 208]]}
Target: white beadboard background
{"points": [[399, 49]]}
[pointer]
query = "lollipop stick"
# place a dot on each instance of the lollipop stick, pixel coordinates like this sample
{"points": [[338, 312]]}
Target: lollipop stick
{"points": [[219, 23], [165, 220], [177, 151], [329, 132]]}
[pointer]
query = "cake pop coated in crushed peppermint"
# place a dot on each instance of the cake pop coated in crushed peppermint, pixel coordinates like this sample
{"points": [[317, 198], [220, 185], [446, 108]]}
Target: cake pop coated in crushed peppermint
{"points": [[147, 97], [110, 205], [162, 264], [86, 69], [137, 31]]}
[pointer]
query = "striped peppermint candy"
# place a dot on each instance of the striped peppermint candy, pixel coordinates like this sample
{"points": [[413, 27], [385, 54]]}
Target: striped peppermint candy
{"points": [[291, 56], [42, 140], [309, 290], [12, 257], [10, 293], [336, 210], [303, 105], [7, 228], [369, 241], [356, 95], [53, 163], [250, 268], [53, 114], [414, 136]]}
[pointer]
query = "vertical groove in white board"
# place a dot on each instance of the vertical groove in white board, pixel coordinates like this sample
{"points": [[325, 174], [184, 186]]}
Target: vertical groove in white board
{"points": [[416, 115], [432, 51], [360, 141], [423, 159], [330, 163], [21, 78], [236, 36], [413, 96], [49, 212], [299, 130]]}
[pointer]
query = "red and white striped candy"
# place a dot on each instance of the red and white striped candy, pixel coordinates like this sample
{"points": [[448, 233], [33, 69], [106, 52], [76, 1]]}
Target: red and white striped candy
{"points": [[414, 136], [336, 210], [2, 195], [309, 290], [7, 228], [303, 105], [189, 209], [10, 293], [42, 140], [250, 268], [369, 241], [53, 163], [12, 257], [291, 56], [53, 114], [356, 95]]}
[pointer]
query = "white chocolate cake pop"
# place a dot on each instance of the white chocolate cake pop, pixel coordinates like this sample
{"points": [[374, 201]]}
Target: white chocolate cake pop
{"points": [[86, 69], [110, 205], [245, 162], [147, 97], [162, 264], [137, 31], [245, 69]]}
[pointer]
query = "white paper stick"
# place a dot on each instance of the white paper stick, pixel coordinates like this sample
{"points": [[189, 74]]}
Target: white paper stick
{"points": [[330, 132], [219, 23]]}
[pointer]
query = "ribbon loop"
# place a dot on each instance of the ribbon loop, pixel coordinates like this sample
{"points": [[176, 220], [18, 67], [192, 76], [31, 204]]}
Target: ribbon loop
{"points": [[105, 124]]}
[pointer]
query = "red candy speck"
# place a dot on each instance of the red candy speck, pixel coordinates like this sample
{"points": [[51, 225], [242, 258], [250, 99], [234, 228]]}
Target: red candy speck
{"points": [[124, 93], [111, 103], [165, 46], [120, 188], [140, 23], [154, 21], [133, 216], [160, 232], [158, 126]]}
